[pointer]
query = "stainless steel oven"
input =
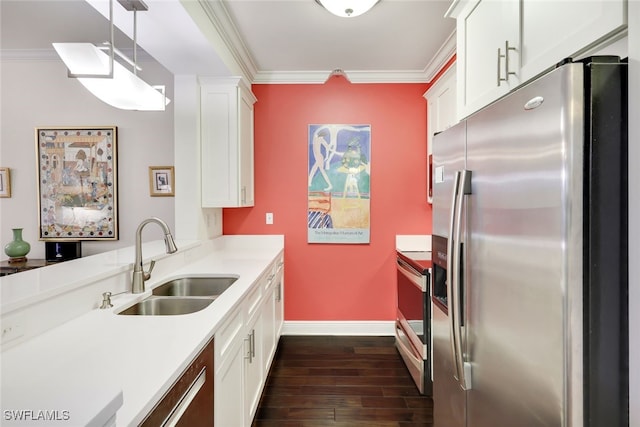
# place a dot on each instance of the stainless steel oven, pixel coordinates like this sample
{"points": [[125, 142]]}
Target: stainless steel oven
{"points": [[413, 323]]}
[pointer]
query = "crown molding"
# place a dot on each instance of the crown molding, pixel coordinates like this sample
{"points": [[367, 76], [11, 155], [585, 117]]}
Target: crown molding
{"points": [[291, 77], [455, 8], [444, 54], [219, 17], [354, 76]]}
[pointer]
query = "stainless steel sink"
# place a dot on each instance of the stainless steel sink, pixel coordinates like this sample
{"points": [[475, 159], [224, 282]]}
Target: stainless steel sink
{"points": [[167, 306], [195, 286]]}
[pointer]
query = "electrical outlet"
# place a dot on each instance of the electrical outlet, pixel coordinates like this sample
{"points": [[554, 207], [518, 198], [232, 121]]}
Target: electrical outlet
{"points": [[269, 218], [11, 330]]}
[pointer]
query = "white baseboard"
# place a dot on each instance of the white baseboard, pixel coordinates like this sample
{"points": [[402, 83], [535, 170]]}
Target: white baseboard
{"points": [[370, 328]]}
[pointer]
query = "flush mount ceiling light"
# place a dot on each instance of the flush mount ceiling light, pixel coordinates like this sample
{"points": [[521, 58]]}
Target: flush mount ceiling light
{"points": [[107, 79], [347, 8]]}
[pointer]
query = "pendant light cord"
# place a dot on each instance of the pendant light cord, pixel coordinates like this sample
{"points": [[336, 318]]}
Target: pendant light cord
{"points": [[135, 44]]}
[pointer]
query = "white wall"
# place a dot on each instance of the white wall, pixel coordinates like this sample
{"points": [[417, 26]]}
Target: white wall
{"points": [[36, 93], [634, 212]]}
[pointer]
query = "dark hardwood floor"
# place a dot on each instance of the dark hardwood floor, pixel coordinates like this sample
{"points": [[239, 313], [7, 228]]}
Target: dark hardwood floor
{"points": [[319, 381]]}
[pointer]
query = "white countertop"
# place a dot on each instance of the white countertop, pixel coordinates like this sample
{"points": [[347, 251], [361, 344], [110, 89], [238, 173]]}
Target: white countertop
{"points": [[413, 242], [100, 353]]}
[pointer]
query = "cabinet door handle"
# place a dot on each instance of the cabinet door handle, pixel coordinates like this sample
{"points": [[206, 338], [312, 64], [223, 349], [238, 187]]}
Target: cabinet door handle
{"points": [[249, 353], [500, 79], [253, 344], [244, 194], [507, 48]]}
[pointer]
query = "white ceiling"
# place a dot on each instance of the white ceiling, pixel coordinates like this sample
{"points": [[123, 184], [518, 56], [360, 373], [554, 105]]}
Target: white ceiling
{"points": [[265, 40]]}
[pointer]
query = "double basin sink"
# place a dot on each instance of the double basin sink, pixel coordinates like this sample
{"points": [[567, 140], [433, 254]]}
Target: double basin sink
{"points": [[182, 296]]}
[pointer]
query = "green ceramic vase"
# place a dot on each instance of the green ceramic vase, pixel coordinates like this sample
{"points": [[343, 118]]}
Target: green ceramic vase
{"points": [[17, 248]]}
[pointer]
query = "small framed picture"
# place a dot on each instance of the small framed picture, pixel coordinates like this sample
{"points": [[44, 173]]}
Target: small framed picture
{"points": [[161, 181], [5, 182]]}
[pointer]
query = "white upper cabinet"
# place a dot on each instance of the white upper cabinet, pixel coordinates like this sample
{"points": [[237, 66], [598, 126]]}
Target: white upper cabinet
{"points": [[441, 101], [441, 113], [226, 123], [488, 46], [553, 31], [502, 44]]}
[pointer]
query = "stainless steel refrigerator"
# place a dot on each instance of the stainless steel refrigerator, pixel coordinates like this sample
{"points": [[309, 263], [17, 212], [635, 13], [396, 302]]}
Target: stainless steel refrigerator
{"points": [[530, 320]]}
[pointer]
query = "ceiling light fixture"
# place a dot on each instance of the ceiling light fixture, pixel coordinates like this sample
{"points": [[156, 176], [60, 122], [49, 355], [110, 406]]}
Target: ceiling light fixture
{"points": [[107, 79], [347, 8]]}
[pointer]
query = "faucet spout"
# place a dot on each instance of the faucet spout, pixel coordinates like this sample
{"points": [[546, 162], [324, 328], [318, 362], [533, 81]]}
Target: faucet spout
{"points": [[139, 275]]}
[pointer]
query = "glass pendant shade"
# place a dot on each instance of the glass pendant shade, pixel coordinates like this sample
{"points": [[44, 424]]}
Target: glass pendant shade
{"points": [[348, 8], [123, 90], [83, 59]]}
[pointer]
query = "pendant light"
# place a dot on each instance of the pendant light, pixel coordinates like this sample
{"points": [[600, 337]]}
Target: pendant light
{"points": [[106, 78], [347, 8]]}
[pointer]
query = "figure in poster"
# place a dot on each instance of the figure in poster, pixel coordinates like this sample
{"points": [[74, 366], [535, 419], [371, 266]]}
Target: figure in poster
{"points": [[353, 163], [81, 165], [320, 142]]}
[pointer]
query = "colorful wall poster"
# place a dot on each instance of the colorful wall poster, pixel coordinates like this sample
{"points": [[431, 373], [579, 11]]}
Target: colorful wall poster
{"points": [[338, 182]]}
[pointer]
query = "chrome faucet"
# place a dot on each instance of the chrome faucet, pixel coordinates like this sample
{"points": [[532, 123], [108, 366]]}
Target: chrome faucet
{"points": [[139, 275]]}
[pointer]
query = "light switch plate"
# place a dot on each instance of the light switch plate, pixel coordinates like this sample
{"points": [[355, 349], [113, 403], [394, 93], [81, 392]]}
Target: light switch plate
{"points": [[439, 174], [269, 218]]}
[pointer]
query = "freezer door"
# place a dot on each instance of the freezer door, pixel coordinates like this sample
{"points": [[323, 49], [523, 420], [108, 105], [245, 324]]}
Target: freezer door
{"points": [[523, 256], [448, 157]]}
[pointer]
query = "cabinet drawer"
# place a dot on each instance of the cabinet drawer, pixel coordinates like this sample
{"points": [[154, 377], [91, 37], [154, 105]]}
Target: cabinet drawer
{"points": [[254, 297], [228, 333]]}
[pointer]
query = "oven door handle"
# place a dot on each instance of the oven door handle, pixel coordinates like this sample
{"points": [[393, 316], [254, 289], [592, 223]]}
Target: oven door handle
{"points": [[419, 280]]}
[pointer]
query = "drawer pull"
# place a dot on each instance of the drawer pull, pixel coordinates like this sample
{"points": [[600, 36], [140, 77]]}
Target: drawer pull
{"points": [[186, 400]]}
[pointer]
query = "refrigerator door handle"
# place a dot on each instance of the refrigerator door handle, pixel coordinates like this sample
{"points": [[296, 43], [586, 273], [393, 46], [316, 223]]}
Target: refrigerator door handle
{"points": [[462, 368], [451, 261]]}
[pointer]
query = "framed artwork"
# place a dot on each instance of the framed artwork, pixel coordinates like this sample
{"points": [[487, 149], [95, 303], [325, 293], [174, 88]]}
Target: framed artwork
{"points": [[338, 198], [77, 183], [161, 181], [5, 182]]}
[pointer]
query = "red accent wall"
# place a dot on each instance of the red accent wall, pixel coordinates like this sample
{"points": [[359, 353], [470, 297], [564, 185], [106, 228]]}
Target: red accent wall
{"points": [[326, 281]]}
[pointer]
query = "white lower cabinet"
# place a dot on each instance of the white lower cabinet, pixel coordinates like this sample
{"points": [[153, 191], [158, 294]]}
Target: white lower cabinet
{"points": [[229, 402], [245, 348], [279, 298], [254, 373], [269, 339]]}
